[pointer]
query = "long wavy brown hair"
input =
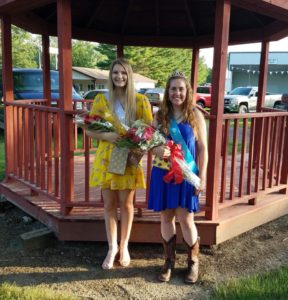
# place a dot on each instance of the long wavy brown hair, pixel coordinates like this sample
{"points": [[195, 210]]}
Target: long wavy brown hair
{"points": [[188, 108]]}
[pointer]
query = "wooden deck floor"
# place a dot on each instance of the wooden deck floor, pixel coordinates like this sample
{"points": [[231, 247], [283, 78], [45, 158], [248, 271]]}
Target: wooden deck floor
{"points": [[87, 223]]}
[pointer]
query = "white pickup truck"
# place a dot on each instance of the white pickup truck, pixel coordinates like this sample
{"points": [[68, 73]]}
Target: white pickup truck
{"points": [[244, 99]]}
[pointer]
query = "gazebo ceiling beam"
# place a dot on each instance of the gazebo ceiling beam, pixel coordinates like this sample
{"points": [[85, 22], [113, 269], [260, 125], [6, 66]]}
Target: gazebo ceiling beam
{"points": [[271, 32], [126, 16], [273, 8], [190, 19], [157, 17], [255, 17], [94, 14], [31, 22], [12, 6], [34, 24]]}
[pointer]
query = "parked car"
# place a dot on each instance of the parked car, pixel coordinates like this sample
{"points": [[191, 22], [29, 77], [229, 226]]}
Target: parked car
{"points": [[244, 99], [142, 91], [283, 105], [203, 96], [28, 84], [155, 96], [90, 95]]}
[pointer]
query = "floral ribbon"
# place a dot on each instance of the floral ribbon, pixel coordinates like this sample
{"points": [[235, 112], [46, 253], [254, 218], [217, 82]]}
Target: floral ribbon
{"points": [[175, 172]]}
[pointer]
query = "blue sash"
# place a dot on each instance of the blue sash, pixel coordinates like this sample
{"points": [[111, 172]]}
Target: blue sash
{"points": [[178, 139]]}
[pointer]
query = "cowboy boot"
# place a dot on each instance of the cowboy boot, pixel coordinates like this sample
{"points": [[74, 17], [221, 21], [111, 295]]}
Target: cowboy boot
{"points": [[170, 256], [191, 275]]}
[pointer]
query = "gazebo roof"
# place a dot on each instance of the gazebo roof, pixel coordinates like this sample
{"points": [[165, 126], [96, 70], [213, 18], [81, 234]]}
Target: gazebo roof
{"points": [[166, 23]]}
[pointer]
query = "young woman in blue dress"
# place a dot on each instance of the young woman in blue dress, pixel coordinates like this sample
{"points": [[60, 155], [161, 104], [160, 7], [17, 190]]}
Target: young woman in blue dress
{"points": [[178, 113]]}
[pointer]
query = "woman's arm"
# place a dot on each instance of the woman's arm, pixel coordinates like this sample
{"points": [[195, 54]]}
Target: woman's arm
{"points": [[202, 148], [99, 103], [111, 137], [161, 151]]}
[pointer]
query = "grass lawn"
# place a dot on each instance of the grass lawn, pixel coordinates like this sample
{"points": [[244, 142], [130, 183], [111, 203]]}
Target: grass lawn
{"points": [[268, 286], [13, 292]]}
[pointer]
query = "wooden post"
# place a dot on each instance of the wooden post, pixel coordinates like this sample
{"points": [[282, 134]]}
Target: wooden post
{"points": [[194, 70], [46, 69], [66, 121], [8, 96], [221, 34], [262, 82], [120, 51]]}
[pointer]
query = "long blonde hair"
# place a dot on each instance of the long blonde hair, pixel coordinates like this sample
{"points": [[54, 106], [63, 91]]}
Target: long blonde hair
{"points": [[189, 106], [130, 101]]}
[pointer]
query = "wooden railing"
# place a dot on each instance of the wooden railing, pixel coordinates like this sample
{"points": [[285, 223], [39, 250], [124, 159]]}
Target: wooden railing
{"points": [[36, 146], [253, 156]]}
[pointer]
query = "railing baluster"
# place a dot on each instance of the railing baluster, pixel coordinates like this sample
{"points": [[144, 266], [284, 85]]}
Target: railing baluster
{"points": [[233, 159], [87, 165], [26, 143], [273, 152], [250, 159], [49, 152], [280, 150], [15, 135], [32, 144], [242, 162], [56, 153], [42, 150], [266, 143], [20, 142], [225, 148], [37, 146], [258, 153]]}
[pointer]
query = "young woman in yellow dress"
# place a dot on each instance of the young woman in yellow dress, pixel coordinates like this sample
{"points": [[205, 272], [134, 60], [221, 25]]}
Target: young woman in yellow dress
{"points": [[124, 105]]}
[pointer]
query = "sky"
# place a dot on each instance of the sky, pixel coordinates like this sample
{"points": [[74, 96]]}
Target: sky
{"points": [[281, 45]]}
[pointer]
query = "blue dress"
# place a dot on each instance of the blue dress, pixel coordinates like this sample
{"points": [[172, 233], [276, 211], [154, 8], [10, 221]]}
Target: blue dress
{"points": [[164, 195]]}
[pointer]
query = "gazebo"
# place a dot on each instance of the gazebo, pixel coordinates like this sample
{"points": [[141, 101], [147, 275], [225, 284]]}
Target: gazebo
{"points": [[247, 172]]}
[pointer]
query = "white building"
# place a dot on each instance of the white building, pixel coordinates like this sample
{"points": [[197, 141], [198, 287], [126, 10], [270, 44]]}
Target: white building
{"points": [[243, 70], [86, 79]]}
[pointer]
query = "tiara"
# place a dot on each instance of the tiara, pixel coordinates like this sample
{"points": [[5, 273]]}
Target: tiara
{"points": [[177, 74]]}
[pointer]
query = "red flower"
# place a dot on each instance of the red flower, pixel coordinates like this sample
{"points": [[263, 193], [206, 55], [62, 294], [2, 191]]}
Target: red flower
{"points": [[131, 134], [147, 134], [89, 119]]}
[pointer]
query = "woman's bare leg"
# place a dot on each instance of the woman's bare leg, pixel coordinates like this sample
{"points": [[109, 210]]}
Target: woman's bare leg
{"points": [[126, 215], [188, 227], [168, 227], [110, 214]]}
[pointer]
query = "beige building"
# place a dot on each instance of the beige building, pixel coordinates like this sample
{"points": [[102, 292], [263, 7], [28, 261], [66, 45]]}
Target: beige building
{"points": [[86, 79]]}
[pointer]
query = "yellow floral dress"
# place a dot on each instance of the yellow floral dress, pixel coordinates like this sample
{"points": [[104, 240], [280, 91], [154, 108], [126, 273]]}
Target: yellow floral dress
{"points": [[133, 177]]}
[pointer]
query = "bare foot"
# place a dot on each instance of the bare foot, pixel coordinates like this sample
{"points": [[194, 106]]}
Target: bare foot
{"points": [[109, 260]]}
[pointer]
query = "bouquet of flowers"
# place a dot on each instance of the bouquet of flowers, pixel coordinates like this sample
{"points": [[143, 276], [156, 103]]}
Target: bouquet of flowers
{"points": [[139, 139], [94, 122], [141, 136], [179, 168]]}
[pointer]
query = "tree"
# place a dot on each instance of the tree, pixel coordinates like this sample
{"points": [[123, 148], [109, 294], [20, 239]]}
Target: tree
{"points": [[84, 54], [155, 63], [24, 52], [109, 53], [158, 63]]}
